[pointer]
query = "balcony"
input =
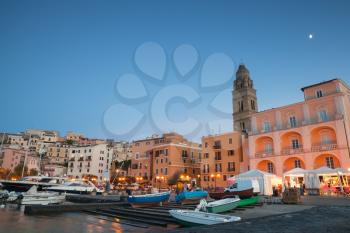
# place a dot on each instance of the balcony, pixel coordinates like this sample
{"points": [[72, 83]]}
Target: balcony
{"points": [[81, 159], [217, 147], [292, 150], [324, 147], [263, 154], [72, 159], [88, 158]]}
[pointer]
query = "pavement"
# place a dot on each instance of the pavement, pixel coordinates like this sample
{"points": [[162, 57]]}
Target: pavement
{"points": [[314, 214]]}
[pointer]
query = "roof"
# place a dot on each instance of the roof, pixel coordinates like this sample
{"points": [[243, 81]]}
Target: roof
{"points": [[317, 84]]}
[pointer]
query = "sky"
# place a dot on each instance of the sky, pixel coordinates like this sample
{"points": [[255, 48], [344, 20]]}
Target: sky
{"points": [[61, 62]]}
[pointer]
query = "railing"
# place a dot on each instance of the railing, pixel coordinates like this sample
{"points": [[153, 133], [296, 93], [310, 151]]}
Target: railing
{"points": [[263, 154], [301, 123], [217, 147], [72, 159], [324, 147], [88, 158], [292, 150], [81, 159]]}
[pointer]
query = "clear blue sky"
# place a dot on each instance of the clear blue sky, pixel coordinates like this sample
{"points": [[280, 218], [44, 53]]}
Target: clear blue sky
{"points": [[59, 60]]}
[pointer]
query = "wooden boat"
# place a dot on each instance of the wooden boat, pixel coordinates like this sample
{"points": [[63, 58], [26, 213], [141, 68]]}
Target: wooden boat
{"points": [[243, 194], [223, 205], [153, 199], [248, 201], [191, 217], [191, 197]]}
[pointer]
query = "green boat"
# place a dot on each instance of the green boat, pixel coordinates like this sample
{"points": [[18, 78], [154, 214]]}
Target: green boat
{"points": [[223, 205], [248, 201]]}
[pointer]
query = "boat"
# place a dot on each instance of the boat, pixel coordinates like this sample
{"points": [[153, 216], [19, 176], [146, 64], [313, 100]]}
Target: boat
{"points": [[242, 188], [153, 199], [24, 184], [249, 201], [76, 187], [191, 197], [33, 197], [242, 194], [223, 205], [192, 217]]}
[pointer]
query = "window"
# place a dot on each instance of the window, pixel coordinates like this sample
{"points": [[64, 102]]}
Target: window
{"points": [[166, 171], [319, 93], [157, 171], [252, 103], [297, 163], [206, 178], [330, 162], [218, 155], [242, 125], [270, 167], [230, 152], [325, 139], [230, 141], [206, 168], [161, 171], [268, 147], [231, 166], [293, 121], [218, 167], [323, 115], [206, 145], [267, 126], [206, 155], [240, 106], [295, 143]]}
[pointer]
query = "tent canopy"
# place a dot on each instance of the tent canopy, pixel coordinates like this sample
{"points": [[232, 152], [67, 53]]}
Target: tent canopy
{"points": [[254, 173], [325, 171], [299, 172]]}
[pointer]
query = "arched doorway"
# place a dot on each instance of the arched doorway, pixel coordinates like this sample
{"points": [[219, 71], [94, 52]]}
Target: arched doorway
{"points": [[266, 166], [293, 162], [326, 160]]}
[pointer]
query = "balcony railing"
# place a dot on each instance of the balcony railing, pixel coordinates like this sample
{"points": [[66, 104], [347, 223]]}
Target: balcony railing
{"points": [[324, 147], [292, 150], [263, 154], [88, 158], [217, 146]]}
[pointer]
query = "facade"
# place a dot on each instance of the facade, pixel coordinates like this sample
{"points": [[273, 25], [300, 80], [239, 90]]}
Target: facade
{"points": [[55, 170], [11, 157], [309, 134], [173, 155], [158, 159], [58, 153], [222, 157], [92, 162], [244, 101], [121, 151]]}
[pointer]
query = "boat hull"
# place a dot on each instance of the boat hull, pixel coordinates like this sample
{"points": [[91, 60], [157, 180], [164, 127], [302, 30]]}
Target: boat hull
{"points": [[22, 187], [190, 217], [37, 200], [242, 194], [221, 208], [148, 199], [191, 197], [248, 201], [72, 191]]}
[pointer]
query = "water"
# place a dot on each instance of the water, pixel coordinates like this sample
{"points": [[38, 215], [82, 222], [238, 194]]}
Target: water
{"points": [[13, 220]]}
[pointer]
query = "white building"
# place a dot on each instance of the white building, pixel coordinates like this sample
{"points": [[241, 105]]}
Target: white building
{"points": [[93, 161]]}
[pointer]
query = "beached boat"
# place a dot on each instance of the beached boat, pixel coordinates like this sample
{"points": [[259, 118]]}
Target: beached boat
{"points": [[249, 201], [148, 199], [223, 205], [191, 217], [191, 197], [242, 194]]}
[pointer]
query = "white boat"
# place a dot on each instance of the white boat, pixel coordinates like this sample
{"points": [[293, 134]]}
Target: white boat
{"points": [[24, 184], [76, 187], [222, 205], [33, 197], [191, 217]]}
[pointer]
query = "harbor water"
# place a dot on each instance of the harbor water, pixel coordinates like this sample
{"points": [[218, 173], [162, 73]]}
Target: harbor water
{"points": [[13, 220]]}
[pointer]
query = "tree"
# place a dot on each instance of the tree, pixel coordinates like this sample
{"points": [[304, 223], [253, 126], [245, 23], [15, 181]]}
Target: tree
{"points": [[33, 172], [17, 171], [69, 142], [174, 178]]}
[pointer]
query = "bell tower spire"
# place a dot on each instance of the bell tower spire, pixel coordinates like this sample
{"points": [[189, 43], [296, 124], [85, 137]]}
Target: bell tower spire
{"points": [[244, 100]]}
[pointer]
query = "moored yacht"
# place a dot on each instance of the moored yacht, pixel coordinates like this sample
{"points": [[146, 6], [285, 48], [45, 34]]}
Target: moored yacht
{"points": [[76, 187], [24, 184]]}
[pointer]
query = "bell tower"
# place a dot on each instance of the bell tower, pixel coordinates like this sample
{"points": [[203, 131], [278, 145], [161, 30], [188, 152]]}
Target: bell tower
{"points": [[244, 100]]}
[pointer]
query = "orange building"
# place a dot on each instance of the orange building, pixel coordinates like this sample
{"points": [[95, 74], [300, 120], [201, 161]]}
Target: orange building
{"points": [[159, 159], [309, 134], [222, 158]]}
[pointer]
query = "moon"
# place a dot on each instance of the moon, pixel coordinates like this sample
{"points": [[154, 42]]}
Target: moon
{"points": [[311, 36]]}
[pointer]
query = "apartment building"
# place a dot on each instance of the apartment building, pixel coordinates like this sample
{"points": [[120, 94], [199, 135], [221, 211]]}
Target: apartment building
{"points": [[222, 158], [92, 162], [309, 134]]}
